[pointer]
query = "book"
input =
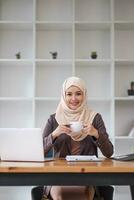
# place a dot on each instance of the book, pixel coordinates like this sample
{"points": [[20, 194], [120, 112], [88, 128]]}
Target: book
{"points": [[82, 158]]}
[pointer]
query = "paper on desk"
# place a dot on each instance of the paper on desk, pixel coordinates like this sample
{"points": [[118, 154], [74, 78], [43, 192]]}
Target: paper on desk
{"points": [[82, 158]]}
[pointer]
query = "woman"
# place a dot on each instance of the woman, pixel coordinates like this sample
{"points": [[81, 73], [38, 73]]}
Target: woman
{"points": [[58, 135]]}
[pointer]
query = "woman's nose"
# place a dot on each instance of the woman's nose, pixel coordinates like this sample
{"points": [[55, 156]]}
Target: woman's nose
{"points": [[73, 97]]}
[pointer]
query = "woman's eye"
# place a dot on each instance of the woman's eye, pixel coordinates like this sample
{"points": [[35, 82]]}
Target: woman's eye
{"points": [[68, 94], [78, 94]]}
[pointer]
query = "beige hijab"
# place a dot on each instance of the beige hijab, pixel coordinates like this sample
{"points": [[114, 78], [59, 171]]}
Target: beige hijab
{"points": [[64, 115]]}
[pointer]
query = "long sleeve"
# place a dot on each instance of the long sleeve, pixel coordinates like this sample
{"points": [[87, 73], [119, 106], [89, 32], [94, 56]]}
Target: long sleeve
{"points": [[47, 137], [103, 142]]}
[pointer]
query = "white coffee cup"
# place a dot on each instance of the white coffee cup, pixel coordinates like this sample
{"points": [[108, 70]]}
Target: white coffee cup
{"points": [[76, 126]]}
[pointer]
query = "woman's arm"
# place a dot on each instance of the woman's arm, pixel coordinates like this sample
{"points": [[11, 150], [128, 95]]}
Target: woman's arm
{"points": [[102, 142], [52, 131], [47, 136]]}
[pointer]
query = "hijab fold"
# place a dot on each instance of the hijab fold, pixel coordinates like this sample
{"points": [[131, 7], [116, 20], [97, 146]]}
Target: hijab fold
{"points": [[64, 115]]}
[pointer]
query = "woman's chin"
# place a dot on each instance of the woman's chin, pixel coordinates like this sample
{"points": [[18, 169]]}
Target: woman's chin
{"points": [[73, 107]]}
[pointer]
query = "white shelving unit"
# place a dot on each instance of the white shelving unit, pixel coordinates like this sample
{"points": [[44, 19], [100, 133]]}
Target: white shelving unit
{"points": [[30, 86]]}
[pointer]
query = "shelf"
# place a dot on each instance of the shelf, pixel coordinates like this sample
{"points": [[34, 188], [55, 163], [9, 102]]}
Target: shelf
{"points": [[128, 98], [92, 40], [91, 73], [16, 61], [99, 100], [124, 138], [124, 38], [52, 26], [14, 10], [124, 111], [19, 78], [30, 87], [89, 10], [73, 29], [50, 10], [15, 99], [124, 10], [54, 61], [51, 76], [92, 25], [18, 114], [12, 42], [48, 41], [16, 25], [124, 62], [47, 99], [124, 25], [93, 62], [43, 111], [123, 76]]}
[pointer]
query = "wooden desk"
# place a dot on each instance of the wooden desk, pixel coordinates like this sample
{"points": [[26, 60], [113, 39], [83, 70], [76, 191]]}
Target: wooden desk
{"points": [[61, 172]]}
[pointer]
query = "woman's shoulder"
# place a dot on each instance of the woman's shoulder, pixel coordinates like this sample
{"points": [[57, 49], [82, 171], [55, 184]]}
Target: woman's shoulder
{"points": [[97, 118], [52, 121], [52, 118], [52, 115]]}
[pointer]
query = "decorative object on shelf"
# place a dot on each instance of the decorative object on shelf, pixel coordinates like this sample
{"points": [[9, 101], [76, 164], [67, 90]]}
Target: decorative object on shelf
{"points": [[18, 55], [131, 90], [132, 85], [54, 54], [131, 133], [93, 55]]}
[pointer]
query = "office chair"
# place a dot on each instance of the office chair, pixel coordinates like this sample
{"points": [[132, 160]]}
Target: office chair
{"points": [[37, 192], [132, 191], [104, 193], [101, 193]]}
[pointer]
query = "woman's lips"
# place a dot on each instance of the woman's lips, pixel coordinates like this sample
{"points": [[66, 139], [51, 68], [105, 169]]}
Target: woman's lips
{"points": [[74, 104]]}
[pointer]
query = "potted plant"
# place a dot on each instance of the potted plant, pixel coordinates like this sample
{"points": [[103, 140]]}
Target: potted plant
{"points": [[131, 90], [54, 54], [94, 54], [18, 55]]}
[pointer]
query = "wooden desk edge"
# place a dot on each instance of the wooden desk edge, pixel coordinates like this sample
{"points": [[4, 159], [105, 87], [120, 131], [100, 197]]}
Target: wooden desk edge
{"points": [[63, 166]]}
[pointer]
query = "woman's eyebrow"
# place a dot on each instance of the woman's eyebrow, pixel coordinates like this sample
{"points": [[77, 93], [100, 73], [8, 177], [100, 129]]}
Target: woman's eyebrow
{"points": [[79, 91]]}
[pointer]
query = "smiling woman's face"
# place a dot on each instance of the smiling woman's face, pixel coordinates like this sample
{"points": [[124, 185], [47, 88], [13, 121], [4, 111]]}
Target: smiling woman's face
{"points": [[73, 97]]}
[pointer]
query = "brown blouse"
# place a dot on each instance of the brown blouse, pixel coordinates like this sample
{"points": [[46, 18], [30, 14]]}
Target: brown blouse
{"points": [[75, 147], [64, 145]]}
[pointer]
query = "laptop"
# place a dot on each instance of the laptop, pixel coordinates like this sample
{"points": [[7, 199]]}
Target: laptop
{"points": [[21, 144], [126, 157]]}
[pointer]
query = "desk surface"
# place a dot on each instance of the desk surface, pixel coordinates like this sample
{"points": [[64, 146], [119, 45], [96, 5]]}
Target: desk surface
{"points": [[60, 166], [61, 172]]}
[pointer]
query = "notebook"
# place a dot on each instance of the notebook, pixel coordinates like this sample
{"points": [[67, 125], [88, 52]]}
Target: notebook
{"points": [[21, 144], [82, 158], [127, 157]]}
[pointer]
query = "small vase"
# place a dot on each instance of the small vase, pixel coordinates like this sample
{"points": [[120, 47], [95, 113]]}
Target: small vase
{"points": [[94, 55], [131, 90], [132, 85], [18, 55]]}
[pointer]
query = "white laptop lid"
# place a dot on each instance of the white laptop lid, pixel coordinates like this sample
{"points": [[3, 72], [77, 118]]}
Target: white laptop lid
{"points": [[21, 144]]}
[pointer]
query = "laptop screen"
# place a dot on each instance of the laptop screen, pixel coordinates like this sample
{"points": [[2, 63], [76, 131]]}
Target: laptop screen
{"points": [[21, 144]]}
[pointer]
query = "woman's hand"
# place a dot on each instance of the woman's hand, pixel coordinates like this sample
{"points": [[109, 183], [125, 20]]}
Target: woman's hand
{"points": [[59, 130], [90, 130]]}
